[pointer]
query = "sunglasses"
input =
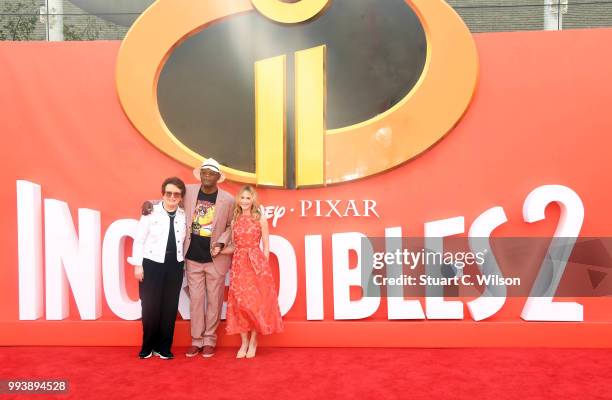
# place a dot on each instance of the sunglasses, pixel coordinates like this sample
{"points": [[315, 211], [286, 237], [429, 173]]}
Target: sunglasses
{"points": [[176, 195], [208, 172]]}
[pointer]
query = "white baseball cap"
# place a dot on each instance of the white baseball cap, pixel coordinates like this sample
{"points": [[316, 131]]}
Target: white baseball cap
{"points": [[212, 165]]}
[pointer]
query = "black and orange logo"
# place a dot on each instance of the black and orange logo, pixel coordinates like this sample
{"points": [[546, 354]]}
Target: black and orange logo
{"points": [[315, 92]]}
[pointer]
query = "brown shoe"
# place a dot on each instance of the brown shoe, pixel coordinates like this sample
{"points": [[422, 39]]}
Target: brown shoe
{"points": [[193, 351], [208, 351]]}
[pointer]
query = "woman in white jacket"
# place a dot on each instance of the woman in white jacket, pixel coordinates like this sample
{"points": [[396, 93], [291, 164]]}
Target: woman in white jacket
{"points": [[157, 257]]}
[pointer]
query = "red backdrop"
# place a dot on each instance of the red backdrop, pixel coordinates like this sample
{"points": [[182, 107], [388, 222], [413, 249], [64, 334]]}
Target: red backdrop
{"points": [[541, 115]]}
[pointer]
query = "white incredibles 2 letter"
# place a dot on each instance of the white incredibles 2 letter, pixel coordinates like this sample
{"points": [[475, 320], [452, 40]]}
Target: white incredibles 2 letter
{"points": [[72, 261], [113, 270], [29, 232], [345, 277]]}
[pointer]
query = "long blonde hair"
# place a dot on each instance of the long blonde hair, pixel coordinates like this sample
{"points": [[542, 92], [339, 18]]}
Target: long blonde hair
{"points": [[255, 212]]}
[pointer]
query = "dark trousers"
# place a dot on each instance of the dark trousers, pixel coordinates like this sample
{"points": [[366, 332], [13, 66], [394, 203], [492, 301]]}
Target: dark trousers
{"points": [[159, 296]]}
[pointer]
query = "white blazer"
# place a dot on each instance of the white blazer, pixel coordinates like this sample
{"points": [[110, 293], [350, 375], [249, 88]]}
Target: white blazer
{"points": [[152, 235]]}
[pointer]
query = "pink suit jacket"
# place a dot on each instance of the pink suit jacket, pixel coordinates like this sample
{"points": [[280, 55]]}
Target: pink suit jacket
{"points": [[221, 225]]}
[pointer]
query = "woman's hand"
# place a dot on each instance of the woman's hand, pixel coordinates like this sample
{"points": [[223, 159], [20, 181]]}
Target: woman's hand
{"points": [[139, 273]]}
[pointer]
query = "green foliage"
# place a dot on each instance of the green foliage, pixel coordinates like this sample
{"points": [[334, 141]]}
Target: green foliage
{"points": [[18, 20], [89, 31]]}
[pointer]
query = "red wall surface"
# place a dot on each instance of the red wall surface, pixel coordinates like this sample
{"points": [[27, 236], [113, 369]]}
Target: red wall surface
{"points": [[541, 115]]}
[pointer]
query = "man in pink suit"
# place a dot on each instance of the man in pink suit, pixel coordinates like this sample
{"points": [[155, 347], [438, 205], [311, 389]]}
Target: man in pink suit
{"points": [[208, 212]]}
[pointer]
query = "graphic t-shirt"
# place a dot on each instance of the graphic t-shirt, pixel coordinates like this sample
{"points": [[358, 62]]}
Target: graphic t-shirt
{"points": [[201, 228]]}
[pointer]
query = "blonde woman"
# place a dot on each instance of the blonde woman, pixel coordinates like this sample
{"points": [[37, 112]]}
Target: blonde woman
{"points": [[252, 304]]}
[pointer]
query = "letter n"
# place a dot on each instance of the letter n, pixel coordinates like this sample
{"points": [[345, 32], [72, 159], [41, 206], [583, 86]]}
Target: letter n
{"points": [[72, 261]]}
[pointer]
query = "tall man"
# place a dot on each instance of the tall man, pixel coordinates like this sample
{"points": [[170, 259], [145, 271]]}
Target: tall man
{"points": [[208, 213]]}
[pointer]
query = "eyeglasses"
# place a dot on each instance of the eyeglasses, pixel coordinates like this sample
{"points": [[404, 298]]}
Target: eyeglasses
{"points": [[176, 195]]}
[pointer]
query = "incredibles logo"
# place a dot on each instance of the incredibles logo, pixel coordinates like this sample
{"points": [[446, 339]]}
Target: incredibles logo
{"points": [[295, 102]]}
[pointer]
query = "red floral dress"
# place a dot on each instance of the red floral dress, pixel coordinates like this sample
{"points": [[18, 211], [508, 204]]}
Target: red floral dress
{"points": [[252, 302]]}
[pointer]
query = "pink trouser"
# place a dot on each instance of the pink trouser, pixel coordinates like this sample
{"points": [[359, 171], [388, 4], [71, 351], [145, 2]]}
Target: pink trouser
{"points": [[205, 282]]}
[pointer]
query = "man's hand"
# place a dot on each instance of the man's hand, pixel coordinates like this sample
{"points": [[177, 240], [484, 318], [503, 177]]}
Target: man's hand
{"points": [[139, 273], [147, 208], [216, 250]]}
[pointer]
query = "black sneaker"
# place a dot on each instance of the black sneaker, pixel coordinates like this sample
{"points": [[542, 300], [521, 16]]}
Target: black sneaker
{"points": [[143, 354], [163, 355]]}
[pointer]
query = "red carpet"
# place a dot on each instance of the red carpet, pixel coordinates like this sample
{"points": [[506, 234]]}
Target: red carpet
{"points": [[320, 373]]}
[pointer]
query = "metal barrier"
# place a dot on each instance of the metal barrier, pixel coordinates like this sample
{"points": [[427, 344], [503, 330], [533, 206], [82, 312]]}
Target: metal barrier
{"points": [[59, 20]]}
